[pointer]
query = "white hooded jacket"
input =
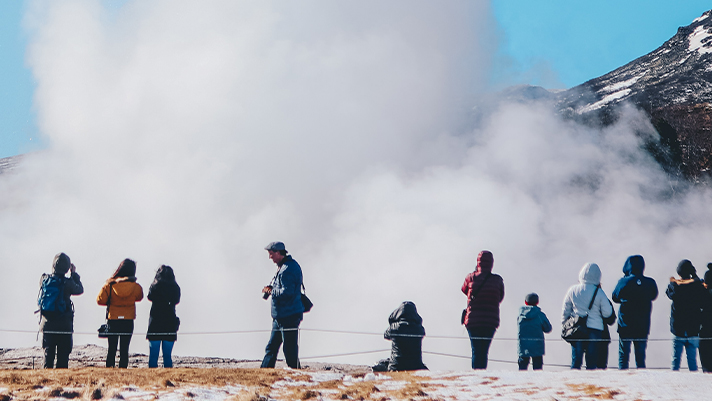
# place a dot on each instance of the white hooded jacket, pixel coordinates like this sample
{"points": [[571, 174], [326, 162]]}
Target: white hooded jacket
{"points": [[579, 297]]}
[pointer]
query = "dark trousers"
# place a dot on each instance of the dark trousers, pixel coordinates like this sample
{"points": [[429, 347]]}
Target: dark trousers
{"points": [[624, 353], [590, 348], [480, 340], [59, 345], [705, 351], [537, 362], [118, 337], [602, 358], [284, 330]]}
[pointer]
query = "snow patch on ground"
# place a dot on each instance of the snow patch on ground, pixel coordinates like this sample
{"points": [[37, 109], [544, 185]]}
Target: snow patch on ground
{"points": [[607, 99], [697, 39]]}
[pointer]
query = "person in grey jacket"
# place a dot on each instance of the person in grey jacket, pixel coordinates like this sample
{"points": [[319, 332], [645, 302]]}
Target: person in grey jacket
{"points": [[57, 328], [287, 307], [576, 302]]}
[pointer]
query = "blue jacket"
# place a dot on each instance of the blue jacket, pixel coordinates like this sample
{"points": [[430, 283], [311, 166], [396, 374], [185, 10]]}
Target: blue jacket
{"points": [[286, 289], [688, 298], [532, 324], [636, 294]]}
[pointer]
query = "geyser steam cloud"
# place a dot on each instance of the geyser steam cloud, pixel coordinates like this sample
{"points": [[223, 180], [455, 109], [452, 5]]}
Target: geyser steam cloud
{"points": [[193, 135]]}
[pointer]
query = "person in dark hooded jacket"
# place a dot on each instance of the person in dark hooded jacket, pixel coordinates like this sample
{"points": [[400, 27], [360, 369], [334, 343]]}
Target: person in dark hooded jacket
{"points": [[706, 327], [406, 334], [485, 291], [688, 296], [164, 295], [56, 328], [636, 294], [532, 323]]}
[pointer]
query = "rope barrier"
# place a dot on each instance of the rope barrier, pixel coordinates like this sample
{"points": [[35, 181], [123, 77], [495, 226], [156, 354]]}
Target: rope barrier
{"points": [[433, 337], [438, 337]]}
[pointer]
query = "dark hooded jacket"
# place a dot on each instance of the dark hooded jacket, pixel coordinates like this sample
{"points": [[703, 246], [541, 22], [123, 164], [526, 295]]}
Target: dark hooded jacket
{"points": [[636, 294], [406, 333], [164, 295], [532, 323], [688, 297], [483, 311], [72, 286]]}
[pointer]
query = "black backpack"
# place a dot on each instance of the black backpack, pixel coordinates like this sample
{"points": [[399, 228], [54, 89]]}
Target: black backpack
{"points": [[51, 300]]}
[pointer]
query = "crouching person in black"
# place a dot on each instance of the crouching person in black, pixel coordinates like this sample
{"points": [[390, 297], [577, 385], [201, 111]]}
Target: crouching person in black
{"points": [[406, 333]]}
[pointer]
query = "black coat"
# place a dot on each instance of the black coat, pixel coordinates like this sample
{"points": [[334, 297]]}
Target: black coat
{"points": [[636, 294], [64, 322], [164, 295], [688, 298], [406, 333]]}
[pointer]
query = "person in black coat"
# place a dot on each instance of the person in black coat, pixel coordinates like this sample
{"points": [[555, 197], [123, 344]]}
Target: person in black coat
{"points": [[406, 333], [636, 294], [163, 323], [706, 328], [688, 296], [57, 327]]}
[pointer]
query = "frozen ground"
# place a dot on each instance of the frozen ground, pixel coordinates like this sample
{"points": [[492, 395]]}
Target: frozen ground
{"points": [[222, 379]]}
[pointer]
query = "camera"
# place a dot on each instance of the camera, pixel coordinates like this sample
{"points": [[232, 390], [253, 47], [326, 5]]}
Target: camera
{"points": [[266, 295]]}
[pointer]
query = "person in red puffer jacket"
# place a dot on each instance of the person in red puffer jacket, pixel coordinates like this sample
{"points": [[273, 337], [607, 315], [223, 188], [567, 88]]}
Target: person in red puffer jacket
{"points": [[485, 291]]}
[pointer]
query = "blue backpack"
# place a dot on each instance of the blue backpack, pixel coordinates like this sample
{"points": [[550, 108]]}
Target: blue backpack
{"points": [[51, 297]]}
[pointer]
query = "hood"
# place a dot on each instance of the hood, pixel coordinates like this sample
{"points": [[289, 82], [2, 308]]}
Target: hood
{"points": [[590, 274], [121, 286], [685, 269], [485, 261], [634, 265], [529, 312], [61, 264], [406, 312]]}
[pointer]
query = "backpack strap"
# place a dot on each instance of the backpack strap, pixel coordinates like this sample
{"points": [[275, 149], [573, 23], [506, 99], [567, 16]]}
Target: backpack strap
{"points": [[474, 294], [108, 301], [590, 305]]}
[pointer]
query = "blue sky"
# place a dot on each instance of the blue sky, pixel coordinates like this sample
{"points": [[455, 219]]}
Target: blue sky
{"points": [[553, 43]]}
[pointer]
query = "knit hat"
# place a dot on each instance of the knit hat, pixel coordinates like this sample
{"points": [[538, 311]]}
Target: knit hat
{"points": [[685, 269], [61, 264], [531, 299]]}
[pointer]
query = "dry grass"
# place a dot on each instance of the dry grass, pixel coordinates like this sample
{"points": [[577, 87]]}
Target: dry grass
{"points": [[100, 383], [592, 390]]}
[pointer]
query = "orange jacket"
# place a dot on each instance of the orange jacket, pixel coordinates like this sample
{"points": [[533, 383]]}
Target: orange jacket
{"points": [[125, 292]]}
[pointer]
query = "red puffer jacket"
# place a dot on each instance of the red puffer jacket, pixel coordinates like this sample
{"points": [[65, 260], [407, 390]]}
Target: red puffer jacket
{"points": [[483, 311]]}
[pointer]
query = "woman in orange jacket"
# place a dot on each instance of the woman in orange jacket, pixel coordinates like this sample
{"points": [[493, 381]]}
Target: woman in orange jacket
{"points": [[120, 294]]}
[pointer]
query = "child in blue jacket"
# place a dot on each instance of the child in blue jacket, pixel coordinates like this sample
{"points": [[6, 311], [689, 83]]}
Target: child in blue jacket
{"points": [[531, 326]]}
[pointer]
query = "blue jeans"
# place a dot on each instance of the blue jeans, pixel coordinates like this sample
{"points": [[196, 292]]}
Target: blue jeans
{"points": [[589, 347], [690, 344], [154, 347], [480, 340], [284, 330], [624, 353]]}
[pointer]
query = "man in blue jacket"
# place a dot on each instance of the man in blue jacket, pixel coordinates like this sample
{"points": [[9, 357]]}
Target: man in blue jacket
{"points": [[636, 294], [287, 307]]}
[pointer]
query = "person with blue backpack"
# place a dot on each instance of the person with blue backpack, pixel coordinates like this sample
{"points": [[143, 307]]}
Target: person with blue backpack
{"points": [[57, 311]]}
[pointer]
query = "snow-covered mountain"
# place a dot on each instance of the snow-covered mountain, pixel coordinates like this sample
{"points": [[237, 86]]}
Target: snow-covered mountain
{"points": [[9, 163], [673, 84]]}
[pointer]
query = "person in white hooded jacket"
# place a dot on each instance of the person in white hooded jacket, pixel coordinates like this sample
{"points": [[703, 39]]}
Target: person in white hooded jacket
{"points": [[577, 300]]}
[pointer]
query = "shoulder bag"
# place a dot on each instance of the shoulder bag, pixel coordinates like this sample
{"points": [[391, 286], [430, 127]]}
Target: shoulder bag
{"points": [[574, 328], [474, 295], [305, 300], [104, 328]]}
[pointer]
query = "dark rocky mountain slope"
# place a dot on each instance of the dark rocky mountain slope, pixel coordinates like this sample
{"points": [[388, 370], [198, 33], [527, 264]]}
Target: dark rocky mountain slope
{"points": [[673, 85]]}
